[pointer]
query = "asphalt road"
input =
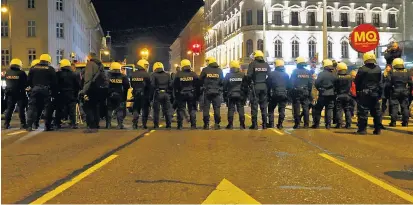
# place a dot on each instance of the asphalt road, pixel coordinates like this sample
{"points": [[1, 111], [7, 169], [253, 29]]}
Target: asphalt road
{"points": [[215, 166]]}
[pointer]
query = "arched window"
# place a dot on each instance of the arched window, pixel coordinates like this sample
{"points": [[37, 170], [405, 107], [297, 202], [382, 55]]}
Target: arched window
{"points": [[295, 48], [330, 49], [312, 49], [344, 49], [249, 47], [278, 49], [260, 45]]}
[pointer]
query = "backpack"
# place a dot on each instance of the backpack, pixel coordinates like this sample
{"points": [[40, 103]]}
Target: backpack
{"points": [[100, 81]]}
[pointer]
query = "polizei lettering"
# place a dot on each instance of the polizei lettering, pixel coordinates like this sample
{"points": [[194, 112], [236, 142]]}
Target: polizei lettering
{"points": [[115, 80], [137, 79], [212, 75], [13, 77], [261, 69], [303, 76], [187, 79], [235, 79]]}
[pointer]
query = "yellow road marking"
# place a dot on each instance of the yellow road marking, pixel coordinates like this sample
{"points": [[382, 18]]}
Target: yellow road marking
{"points": [[66, 185], [18, 132], [211, 114], [370, 178], [276, 131], [228, 193]]}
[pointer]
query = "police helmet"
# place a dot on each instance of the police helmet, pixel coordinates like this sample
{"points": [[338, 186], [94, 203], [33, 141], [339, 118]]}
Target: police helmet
{"points": [[115, 66], [210, 60], [353, 73], [258, 54], [279, 63], [341, 66], [369, 58], [16, 62], [46, 57], [143, 63], [327, 64], [65, 63], [398, 63], [300, 60], [234, 64], [158, 65], [185, 62], [35, 62]]}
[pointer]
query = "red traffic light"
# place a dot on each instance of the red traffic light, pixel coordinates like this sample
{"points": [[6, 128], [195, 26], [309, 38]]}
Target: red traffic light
{"points": [[196, 48]]}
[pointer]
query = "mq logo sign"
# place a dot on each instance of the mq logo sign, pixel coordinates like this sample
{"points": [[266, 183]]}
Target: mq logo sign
{"points": [[364, 38]]}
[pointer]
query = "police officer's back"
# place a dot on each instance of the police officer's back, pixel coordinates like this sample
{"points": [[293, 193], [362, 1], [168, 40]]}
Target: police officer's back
{"points": [[16, 82], [344, 101], [43, 82], [141, 84], [161, 89], [186, 86]]}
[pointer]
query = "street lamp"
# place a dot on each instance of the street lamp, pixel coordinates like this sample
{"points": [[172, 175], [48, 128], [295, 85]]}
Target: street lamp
{"points": [[105, 52], [4, 9], [145, 53]]}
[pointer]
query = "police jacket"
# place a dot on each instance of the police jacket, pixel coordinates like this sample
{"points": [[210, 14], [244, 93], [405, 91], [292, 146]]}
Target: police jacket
{"points": [[278, 81], [186, 81], [369, 80], [91, 69], [235, 82], [212, 78], [140, 81], [386, 84], [390, 55], [161, 81], [343, 83], [400, 81], [118, 83], [301, 79], [68, 80], [16, 80], [325, 83], [257, 73], [43, 75]]}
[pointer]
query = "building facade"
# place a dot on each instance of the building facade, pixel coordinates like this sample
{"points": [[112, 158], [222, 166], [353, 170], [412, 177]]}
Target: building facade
{"points": [[193, 33], [30, 28], [294, 28]]}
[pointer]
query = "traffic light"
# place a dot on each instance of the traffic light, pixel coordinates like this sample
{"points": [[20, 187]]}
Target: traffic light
{"points": [[196, 48]]}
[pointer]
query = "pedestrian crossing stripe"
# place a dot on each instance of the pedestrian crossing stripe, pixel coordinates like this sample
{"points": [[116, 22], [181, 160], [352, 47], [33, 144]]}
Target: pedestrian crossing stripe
{"points": [[228, 193]]}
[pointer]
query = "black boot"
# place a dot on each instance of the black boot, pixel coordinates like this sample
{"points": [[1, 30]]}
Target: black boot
{"points": [[328, 126], [108, 125], [155, 125], [392, 124], [242, 122], [348, 126], [120, 124], [179, 127], [217, 126], [135, 126], [193, 126], [296, 124], [6, 125], [270, 124], [361, 132], [206, 123], [405, 124], [264, 122], [230, 123], [377, 131], [315, 126], [254, 125]]}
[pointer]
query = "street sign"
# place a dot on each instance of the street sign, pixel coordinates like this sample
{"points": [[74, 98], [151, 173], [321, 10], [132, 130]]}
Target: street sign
{"points": [[364, 38]]}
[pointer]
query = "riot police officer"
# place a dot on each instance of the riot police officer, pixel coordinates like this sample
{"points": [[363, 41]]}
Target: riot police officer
{"points": [[161, 90], [141, 84], [16, 81], [212, 81], [43, 82], [344, 100], [37, 120], [68, 88], [301, 85], [186, 88], [278, 86], [400, 83], [235, 93], [326, 96], [257, 73], [118, 89], [369, 87]]}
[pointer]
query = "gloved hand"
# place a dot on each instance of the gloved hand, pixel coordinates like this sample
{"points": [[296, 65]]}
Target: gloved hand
{"points": [[28, 89]]}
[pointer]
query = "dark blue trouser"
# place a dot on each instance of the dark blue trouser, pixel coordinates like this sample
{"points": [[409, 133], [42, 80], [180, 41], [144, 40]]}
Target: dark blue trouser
{"points": [[162, 99], [184, 100], [115, 102], [215, 100], [140, 106], [365, 105], [281, 102], [66, 100], [40, 99], [236, 103], [304, 102], [328, 103], [260, 98], [12, 99], [344, 103], [403, 102]]}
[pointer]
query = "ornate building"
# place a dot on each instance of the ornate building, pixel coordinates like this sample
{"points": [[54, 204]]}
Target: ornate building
{"points": [[293, 28]]}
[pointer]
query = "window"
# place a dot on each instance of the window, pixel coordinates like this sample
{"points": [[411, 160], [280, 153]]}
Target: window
{"points": [[330, 49], [32, 55], [59, 55], [260, 45], [295, 49], [5, 57], [392, 20], [30, 4], [277, 18], [376, 19], [329, 19], [249, 47], [344, 19], [344, 49], [4, 29], [294, 18], [312, 48], [311, 18], [260, 16], [278, 49], [59, 5], [31, 28], [249, 18], [59, 30], [359, 18]]}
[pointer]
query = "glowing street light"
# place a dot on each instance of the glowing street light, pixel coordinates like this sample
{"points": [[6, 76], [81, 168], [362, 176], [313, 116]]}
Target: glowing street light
{"points": [[145, 53], [106, 52], [4, 9], [189, 52]]}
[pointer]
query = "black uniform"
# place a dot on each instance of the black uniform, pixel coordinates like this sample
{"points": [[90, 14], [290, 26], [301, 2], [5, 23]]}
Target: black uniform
{"points": [[235, 94], [212, 81], [118, 90], [161, 90], [16, 82], [43, 82], [301, 84], [344, 100], [68, 88], [278, 85], [391, 54], [186, 88], [369, 87], [326, 97], [141, 84], [400, 83], [257, 74]]}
